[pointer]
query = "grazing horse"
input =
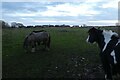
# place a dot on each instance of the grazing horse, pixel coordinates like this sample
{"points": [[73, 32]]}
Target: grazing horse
{"points": [[36, 38], [109, 44]]}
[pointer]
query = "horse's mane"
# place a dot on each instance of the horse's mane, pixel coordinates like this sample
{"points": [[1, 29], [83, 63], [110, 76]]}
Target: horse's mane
{"points": [[39, 31]]}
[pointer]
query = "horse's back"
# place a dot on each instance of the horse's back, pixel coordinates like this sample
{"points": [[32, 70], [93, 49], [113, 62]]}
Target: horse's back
{"points": [[38, 31], [41, 35]]}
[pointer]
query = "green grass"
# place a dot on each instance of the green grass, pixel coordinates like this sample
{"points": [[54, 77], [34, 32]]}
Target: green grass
{"points": [[69, 56]]}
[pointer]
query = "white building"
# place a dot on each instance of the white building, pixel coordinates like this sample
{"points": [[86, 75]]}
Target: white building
{"points": [[118, 24]]}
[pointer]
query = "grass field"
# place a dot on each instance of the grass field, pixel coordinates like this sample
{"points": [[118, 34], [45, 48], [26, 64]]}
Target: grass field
{"points": [[69, 56]]}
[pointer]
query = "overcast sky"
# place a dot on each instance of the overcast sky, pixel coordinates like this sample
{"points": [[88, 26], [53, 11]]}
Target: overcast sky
{"points": [[72, 12]]}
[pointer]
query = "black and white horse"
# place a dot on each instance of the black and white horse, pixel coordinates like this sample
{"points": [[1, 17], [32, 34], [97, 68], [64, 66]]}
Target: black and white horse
{"points": [[109, 44], [36, 38]]}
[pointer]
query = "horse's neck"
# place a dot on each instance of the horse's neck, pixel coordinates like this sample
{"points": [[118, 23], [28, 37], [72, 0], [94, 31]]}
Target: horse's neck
{"points": [[101, 42]]}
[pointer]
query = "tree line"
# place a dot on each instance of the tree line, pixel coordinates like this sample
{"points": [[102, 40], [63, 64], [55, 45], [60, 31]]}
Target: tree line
{"points": [[20, 25]]}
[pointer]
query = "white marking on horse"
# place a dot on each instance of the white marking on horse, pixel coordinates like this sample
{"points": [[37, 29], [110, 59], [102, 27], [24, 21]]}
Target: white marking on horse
{"points": [[33, 50], [87, 38], [113, 54], [118, 42], [107, 36], [105, 76]]}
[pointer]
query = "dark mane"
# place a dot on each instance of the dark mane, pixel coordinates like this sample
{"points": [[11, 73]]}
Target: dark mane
{"points": [[39, 31]]}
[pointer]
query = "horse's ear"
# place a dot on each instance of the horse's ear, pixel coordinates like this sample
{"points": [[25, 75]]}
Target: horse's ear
{"points": [[93, 28]]}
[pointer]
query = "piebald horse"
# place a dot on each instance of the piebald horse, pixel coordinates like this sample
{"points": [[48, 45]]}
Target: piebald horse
{"points": [[36, 38], [109, 44]]}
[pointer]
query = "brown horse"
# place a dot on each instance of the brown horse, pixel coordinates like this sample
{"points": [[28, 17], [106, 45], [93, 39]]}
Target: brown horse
{"points": [[36, 38]]}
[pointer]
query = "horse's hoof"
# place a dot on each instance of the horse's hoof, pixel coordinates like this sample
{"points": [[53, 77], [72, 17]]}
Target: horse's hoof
{"points": [[33, 52]]}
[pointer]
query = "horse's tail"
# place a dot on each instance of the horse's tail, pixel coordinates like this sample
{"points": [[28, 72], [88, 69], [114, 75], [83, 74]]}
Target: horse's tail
{"points": [[49, 40]]}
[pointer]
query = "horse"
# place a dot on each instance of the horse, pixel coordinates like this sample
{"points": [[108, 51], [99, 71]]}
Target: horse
{"points": [[36, 38], [109, 44]]}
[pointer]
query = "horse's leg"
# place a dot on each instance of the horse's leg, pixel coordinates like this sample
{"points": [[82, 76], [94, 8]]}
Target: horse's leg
{"points": [[28, 48], [44, 42], [106, 67], [115, 73], [45, 45], [48, 44], [33, 47], [38, 44]]}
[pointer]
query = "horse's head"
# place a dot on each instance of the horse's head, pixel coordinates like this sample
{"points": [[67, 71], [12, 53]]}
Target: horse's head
{"points": [[27, 40], [25, 44], [94, 35]]}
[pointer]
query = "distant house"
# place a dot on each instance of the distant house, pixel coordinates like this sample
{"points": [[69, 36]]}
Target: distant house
{"points": [[71, 26], [84, 25], [118, 24]]}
